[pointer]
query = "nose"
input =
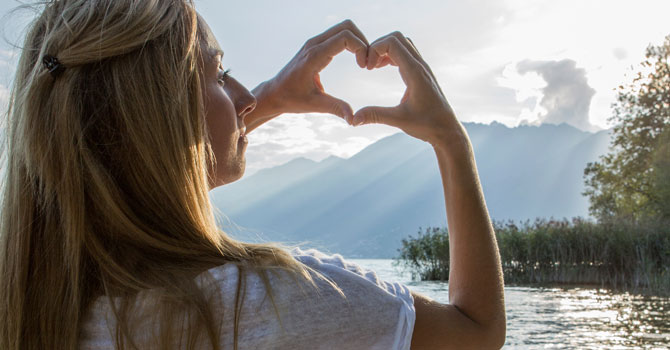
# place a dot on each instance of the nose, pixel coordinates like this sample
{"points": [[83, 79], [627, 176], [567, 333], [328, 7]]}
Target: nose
{"points": [[245, 101]]}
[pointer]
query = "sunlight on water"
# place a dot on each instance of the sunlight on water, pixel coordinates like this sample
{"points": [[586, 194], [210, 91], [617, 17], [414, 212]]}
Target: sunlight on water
{"points": [[563, 318]]}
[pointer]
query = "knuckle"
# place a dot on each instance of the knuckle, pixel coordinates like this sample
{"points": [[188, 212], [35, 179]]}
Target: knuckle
{"points": [[391, 42], [335, 106], [352, 41], [346, 33], [311, 53], [373, 117], [392, 39], [347, 23], [426, 75], [310, 42]]}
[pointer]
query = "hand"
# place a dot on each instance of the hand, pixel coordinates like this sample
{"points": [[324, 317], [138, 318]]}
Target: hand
{"points": [[297, 87], [423, 111]]}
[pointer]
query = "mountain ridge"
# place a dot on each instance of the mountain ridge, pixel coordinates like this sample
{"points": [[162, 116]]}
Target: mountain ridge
{"points": [[364, 205]]}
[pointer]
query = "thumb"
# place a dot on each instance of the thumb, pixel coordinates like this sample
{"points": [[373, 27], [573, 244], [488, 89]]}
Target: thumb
{"points": [[325, 103], [377, 115]]}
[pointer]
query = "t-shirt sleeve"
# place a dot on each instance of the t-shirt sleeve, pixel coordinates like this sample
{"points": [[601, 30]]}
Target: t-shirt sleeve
{"points": [[376, 314]]}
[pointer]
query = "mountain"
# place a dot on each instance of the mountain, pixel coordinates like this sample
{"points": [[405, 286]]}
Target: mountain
{"points": [[363, 206]]}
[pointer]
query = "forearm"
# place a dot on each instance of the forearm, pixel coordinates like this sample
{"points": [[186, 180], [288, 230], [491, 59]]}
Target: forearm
{"points": [[475, 276], [267, 107]]}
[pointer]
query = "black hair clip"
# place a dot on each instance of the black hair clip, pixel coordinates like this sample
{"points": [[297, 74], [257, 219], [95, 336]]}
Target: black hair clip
{"points": [[53, 65]]}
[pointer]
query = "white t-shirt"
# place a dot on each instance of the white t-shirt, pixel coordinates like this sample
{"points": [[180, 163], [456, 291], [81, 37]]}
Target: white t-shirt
{"points": [[374, 315]]}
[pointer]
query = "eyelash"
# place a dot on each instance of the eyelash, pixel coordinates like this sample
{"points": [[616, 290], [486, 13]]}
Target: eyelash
{"points": [[223, 76]]}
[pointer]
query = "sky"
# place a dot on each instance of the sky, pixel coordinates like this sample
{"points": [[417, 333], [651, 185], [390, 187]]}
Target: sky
{"points": [[508, 61]]}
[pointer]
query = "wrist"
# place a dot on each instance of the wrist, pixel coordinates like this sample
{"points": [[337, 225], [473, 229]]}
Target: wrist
{"points": [[267, 102], [267, 106], [450, 136], [453, 144]]}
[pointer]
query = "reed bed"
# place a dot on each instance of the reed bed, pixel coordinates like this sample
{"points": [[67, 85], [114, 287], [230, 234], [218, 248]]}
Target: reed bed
{"points": [[618, 255]]}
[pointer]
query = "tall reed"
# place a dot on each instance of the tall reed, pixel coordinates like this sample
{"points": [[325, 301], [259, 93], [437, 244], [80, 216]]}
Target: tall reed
{"points": [[426, 255], [618, 254]]}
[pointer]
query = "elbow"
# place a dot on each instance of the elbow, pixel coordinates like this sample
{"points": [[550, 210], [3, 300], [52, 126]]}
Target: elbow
{"points": [[499, 338], [488, 336], [497, 327], [497, 333], [491, 334]]}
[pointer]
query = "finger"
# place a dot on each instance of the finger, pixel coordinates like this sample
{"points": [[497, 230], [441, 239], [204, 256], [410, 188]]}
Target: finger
{"points": [[391, 47], [344, 40], [407, 42], [425, 65], [344, 25], [414, 47], [378, 115], [385, 61], [417, 55], [410, 69], [324, 103], [409, 46]]}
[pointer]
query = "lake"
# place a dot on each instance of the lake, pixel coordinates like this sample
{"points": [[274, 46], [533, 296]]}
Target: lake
{"points": [[563, 318]]}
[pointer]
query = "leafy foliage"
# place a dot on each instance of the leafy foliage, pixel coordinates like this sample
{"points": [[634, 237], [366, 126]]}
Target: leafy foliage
{"points": [[614, 254], [661, 180], [427, 255], [621, 254], [631, 181]]}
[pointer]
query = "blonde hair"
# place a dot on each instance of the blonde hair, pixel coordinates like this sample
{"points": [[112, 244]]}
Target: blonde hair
{"points": [[106, 189]]}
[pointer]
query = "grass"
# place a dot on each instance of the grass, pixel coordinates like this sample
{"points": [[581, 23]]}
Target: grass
{"points": [[617, 255]]}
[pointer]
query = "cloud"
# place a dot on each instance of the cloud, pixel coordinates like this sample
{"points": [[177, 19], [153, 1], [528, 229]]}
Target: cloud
{"points": [[620, 53], [312, 136], [559, 90], [8, 60]]}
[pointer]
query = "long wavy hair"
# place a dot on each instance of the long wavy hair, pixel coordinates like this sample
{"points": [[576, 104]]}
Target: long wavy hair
{"points": [[106, 180]]}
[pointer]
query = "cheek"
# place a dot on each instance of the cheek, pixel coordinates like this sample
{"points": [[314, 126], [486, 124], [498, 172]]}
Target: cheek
{"points": [[221, 121], [221, 128]]}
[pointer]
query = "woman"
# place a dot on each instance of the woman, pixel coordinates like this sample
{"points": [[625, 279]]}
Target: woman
{"points": [[120, 121]]}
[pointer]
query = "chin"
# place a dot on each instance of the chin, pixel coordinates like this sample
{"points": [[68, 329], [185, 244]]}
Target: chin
{"points": [[241, 167], [233, 173], [239, 174], [230, 174]]}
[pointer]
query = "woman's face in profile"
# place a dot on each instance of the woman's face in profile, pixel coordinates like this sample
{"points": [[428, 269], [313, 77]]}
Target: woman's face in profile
{"points": [[227, 102]]}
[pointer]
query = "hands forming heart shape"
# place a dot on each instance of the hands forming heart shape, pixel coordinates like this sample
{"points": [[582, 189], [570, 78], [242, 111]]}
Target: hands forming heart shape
{"points": [[423, 111]]}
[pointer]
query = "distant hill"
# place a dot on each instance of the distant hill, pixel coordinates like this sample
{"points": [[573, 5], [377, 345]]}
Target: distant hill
{"points": [[363, 206]]}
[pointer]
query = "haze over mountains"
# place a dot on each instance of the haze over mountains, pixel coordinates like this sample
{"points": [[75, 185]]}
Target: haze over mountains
{"points": [[363, 206]]}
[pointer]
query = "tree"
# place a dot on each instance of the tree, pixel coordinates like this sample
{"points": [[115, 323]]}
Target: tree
{"points": [[632, 180], [661, 180]]}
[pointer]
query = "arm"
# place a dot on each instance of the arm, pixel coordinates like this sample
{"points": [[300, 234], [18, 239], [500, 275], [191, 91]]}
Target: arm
{"points": [[475, 317], [297, 87]]}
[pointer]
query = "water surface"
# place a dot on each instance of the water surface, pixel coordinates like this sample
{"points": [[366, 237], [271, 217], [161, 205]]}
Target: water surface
{"points": [[563, 318]]}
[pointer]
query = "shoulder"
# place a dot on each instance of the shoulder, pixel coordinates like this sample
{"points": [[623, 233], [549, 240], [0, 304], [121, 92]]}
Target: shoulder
{"points": [[363, 312], [348, 273]]}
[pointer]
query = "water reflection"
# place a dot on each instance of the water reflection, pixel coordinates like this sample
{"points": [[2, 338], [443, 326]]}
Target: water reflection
{"points": [[565, 318], [585, 318]]}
